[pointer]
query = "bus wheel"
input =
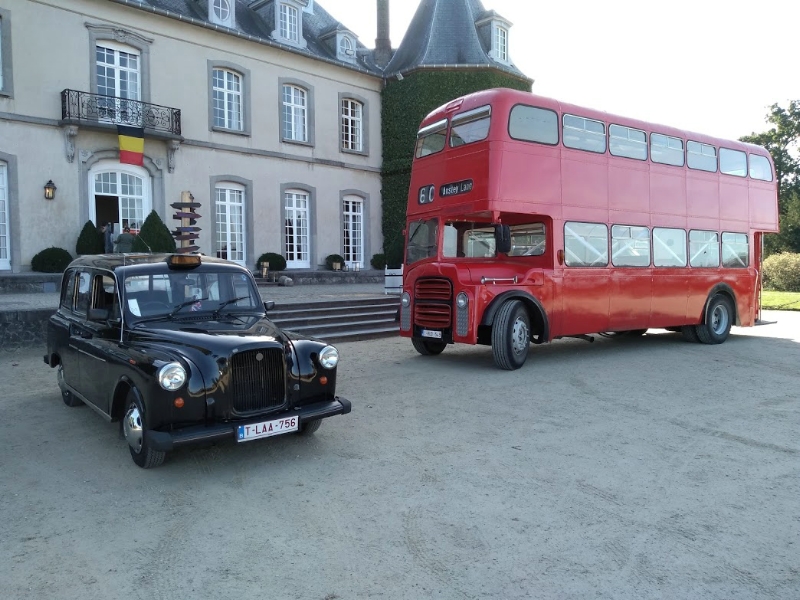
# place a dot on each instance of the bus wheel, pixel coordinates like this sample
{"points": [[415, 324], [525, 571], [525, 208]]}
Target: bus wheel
{"points": [[427, 348], [719, 318], [690, 334], [511, 336]]}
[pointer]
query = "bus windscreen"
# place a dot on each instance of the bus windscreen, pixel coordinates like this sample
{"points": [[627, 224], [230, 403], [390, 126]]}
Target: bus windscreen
{"points": [[431, 139]]}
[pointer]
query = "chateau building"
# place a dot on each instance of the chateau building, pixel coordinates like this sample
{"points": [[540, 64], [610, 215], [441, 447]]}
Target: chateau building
{"points": [[268, 111]]}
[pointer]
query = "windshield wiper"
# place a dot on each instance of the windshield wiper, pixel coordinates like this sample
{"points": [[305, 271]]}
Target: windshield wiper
{"points": [[224, 304], [184, 305]]}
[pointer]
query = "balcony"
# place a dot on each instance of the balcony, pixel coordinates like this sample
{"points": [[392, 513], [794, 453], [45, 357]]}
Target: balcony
{"points": [[106, 112]]}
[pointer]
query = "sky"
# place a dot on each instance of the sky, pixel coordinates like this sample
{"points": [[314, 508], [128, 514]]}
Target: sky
{"points": [[706, 66]]}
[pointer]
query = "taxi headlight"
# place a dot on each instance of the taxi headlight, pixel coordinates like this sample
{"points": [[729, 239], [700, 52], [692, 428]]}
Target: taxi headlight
{"points": [[172, 376], [461, 300], [329, 357], [405, 299]]}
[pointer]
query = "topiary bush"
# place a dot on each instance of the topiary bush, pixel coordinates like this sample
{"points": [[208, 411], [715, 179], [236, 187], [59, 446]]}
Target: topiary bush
{"points": [[154, 236], [90, 240], [276, 261], [378, 261], [782, 272], [334, 258], [51, 260]]}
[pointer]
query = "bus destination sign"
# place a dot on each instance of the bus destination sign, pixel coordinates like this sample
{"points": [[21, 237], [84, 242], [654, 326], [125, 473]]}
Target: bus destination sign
{"points": [[454, 189]]}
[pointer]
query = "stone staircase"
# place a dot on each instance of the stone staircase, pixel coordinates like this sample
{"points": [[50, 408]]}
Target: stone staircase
{"points": [[340, 320]]}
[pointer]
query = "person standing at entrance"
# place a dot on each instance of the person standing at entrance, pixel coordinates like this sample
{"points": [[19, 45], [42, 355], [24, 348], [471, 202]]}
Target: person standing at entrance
{"points": [[125, 241], [108, 238]]}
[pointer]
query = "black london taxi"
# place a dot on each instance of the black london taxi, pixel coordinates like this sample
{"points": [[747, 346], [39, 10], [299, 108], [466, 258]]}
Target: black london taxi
{"points": [[179, 349]]}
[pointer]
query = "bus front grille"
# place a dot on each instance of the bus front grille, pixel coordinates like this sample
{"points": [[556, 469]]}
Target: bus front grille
{"points": [[433, 303], [257, 380]]}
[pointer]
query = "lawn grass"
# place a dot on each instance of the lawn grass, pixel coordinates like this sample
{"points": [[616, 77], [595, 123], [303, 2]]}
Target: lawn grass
{"points": [[780, 300]]}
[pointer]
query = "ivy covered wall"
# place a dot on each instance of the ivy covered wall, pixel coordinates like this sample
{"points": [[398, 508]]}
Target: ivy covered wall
{"points": [[405, 104]]}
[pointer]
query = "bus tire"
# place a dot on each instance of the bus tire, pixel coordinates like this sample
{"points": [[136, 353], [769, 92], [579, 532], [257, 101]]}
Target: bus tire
{"points": [[428, 348], [511, 335], [689, 333], [719, 318]]}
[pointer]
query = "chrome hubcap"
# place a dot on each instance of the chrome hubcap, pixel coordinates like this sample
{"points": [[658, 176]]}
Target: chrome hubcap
{"points": [[132, 428], [519, 337], [719, 319]]}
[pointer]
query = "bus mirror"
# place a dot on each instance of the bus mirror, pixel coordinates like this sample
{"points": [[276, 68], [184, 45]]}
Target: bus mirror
{"points": [[502, 236]]}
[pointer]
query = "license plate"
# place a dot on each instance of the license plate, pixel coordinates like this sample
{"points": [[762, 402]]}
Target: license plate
{"points": [[255, 431], [429, 333]]}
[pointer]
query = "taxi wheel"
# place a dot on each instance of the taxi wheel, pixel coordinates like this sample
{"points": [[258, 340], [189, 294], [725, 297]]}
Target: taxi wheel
{"points": [[68, 397], [133, 428], [511, 336], [427, 348], [309, 427]]}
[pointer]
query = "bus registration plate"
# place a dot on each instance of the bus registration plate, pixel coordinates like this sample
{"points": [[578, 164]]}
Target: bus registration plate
{"points": [[245, 433], [429, 333]]}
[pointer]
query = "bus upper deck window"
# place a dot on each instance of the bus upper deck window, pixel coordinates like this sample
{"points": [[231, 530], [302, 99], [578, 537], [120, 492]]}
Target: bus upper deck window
{"points": [[470, 126], [431, 139]]}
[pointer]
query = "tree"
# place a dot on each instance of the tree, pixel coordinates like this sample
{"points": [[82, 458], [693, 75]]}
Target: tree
{"points": [[154, 236], [783, 141], [90, 240]]}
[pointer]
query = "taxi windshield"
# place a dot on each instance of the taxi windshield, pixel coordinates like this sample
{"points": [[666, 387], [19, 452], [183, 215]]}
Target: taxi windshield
{"points": [[176, 292]]}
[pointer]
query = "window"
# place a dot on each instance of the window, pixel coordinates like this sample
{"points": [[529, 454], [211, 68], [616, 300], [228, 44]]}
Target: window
{"points": [[68, 291], [353, 231], [471, 126], [289, 26], [229, 209], [84, 295], [586, 244], [584, 134], [666, 150], [296, 229], [6, 77], [423, 238], [118, 80], [703, 248], [735, 251], [346, 47], [222, 10], [701, 156], [500, 43], [760, 168], [295, 126], [352, 125], [532, 124], [5, 262], [732, 162], [431, 139], [130, 194], [630, 246], [227, 99], [669, 247], [527, 240], [627, 142]]}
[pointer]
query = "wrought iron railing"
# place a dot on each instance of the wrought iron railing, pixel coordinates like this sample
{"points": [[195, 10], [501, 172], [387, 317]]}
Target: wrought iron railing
{"points": [[83, 107]]}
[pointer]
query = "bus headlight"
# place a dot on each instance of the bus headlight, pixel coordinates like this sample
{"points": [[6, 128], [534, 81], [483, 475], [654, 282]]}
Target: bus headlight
{"points": [[329, 357], [405, 299], [172, 376], [462, 300]]}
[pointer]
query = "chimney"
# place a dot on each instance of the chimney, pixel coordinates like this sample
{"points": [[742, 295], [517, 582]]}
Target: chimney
{"points": [[383, 45]]}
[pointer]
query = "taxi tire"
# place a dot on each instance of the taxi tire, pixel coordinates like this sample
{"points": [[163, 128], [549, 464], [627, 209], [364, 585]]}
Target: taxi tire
{"points": [[512, 317], [68, 397], [309, 427], [147, 458], [427, 348]]}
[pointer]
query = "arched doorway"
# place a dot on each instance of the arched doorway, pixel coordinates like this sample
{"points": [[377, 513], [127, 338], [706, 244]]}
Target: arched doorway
{"points": [[119, 194]]}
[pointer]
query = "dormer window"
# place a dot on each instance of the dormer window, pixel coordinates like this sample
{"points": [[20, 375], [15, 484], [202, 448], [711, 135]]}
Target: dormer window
{"points": [[500, 43], [289, 23], [346, 46], [221, 12]]}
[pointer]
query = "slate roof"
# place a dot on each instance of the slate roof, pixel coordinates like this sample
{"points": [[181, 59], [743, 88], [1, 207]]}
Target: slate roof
{"points": [[260, 23], [443, 33]]}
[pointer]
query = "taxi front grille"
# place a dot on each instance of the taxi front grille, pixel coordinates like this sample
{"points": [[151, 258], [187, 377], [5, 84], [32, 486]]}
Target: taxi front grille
{"points": [[257, 380], [433, 303]]}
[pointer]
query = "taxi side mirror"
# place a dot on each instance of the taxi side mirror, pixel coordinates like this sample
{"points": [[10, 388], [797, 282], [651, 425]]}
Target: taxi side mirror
{"points": [[269, 305]]}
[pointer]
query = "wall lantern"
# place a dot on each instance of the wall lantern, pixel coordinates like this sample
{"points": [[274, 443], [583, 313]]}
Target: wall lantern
{"points": [[49, 190]]}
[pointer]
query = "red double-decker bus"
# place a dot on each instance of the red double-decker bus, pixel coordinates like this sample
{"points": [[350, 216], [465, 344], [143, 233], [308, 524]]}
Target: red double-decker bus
{"points": [[531, 220]]}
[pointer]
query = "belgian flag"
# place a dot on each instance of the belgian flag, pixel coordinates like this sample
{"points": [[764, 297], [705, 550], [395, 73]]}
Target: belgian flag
{"points": [[131, 145]]}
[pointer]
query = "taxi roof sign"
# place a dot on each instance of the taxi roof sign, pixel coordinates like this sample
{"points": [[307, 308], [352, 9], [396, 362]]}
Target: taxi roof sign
{"points": [[178, 261]]}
